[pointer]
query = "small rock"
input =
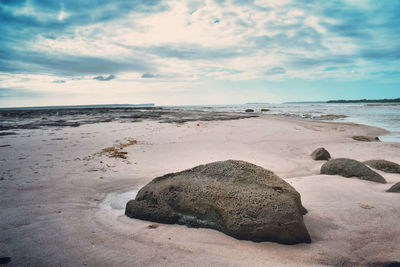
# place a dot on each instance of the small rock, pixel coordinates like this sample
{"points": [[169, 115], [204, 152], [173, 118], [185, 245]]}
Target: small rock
{"points": [[383, 165], [153, 226], [320, 154], [249, 110], [366, 206], [395, 188], [351, 168], [265, 109], [363, 138]]}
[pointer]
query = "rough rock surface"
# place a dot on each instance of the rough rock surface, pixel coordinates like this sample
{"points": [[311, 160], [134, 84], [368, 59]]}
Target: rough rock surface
{"points": [[235, 197], [320, 154], [366, 138], [383, 165], [395, 188], [349, 168]]}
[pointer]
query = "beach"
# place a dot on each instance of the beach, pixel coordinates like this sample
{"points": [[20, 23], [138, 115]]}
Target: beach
{"points": [[63, 198]]}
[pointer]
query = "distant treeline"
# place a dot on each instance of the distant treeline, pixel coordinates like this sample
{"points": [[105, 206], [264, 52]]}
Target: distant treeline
{"points": [[395, 100]]}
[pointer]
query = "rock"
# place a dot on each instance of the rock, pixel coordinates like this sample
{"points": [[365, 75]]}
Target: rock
{"points": [[264, 109], [331, 116], [320, 154], [349, 168], [249, 110], [153, 226], [5, 260], [393, 264], [383, 165], [366, 138], [395, 188], [237, 198], [7, 133]]}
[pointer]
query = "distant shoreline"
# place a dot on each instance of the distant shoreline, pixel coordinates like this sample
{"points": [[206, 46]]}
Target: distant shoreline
{"points": [[395, 100]]}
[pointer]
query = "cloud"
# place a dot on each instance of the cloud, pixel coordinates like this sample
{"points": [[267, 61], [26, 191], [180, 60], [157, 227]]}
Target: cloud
{"points": [[148, 75], [305, 38], [193, 52], [18, 93], [300, 62], [67, 65], [381, 55], [24, 23], [62, 14], [275, 70], [104, 78]]}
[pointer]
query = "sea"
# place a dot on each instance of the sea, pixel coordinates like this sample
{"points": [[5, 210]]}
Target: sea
{"points": [[382, 115]]}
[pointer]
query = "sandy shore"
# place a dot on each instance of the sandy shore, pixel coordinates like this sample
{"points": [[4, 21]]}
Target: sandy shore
{"points": [[61, 202]]}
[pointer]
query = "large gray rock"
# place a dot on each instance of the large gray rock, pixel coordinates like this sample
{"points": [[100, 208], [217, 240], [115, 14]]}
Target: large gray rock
{"points": [[350, 168], [383, 165], [235, 197], [395, 188], [320, 154]]}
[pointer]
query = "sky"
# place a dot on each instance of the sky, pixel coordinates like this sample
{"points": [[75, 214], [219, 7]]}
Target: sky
{"points": [[197, 52]]}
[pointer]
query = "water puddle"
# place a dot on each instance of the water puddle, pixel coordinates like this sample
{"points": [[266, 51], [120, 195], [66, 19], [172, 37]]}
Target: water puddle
{"points": [[118, 200]]}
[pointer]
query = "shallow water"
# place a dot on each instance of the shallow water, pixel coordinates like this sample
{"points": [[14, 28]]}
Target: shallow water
{"points": [[385, 116]]}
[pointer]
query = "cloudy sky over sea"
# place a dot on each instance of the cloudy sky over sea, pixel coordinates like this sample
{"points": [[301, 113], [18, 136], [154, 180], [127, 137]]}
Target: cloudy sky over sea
{"points": [[197, 52]]}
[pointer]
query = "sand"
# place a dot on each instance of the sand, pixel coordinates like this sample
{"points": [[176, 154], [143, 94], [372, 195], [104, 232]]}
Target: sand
{"points": [[62, 201]]}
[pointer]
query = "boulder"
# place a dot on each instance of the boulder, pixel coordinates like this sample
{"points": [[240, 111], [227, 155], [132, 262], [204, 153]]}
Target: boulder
{"points": [[237, 198], [383, 165], [395, 188], [320, 154], [264, 109], [366, 138], [249, 110], [350, 168]]}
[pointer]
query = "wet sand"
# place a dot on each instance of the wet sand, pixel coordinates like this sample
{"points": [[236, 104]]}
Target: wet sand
{"points": [[62, 198]]}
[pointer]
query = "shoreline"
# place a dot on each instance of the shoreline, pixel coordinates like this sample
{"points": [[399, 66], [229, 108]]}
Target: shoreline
{"points": [[56, 181], [11, 120], [36, 118]]}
